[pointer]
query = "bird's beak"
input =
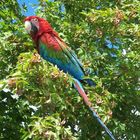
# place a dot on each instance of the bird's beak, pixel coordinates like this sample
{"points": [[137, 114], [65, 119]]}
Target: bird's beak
{"points": [[30, 27]]}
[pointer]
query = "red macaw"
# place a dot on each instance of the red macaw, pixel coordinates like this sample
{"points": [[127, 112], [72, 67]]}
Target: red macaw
{"points": [[53, 49]]}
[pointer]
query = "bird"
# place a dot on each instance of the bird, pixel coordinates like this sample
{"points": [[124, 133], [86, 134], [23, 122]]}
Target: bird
{"points": [[53, 49]]}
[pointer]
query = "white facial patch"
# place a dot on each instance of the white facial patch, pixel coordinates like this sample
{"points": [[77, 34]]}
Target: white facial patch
{"points": [[28, 26]]}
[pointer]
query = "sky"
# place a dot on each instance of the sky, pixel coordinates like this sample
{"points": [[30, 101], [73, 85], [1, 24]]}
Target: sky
{"points": [[30, 8]]}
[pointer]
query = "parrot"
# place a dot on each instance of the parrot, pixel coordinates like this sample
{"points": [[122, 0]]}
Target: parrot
{"points": [[53, 49]]}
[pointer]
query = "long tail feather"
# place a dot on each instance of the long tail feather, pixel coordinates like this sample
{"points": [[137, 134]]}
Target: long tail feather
{"points": [[82, 93]]}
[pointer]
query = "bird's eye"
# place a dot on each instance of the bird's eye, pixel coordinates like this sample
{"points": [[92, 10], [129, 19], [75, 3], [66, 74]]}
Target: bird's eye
{"points": [[35, 19]]}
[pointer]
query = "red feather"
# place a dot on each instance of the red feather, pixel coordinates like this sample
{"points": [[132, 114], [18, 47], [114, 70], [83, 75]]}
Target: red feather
{"points": [[46, 34], [50, 41], [44, 27]]}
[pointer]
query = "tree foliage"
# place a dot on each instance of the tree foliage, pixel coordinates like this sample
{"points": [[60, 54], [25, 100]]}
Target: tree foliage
{"points": [[37, 100]]}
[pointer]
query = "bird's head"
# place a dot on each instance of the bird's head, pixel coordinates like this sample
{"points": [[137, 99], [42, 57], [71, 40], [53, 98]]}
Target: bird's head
{"points": [[35, 26]]}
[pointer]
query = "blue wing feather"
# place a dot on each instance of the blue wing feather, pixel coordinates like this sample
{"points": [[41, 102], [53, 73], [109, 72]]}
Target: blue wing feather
{"points": [[69, 67]]}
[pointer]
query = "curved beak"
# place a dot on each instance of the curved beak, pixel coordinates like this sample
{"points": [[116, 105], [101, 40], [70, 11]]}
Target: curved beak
{"points": [[30, 27]]}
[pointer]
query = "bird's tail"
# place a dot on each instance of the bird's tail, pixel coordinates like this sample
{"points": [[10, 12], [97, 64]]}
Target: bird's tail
{"points": [[82, 93]]}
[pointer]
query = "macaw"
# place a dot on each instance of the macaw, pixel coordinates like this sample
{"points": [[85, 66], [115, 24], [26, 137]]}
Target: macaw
{"points": [[53, 49]]}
